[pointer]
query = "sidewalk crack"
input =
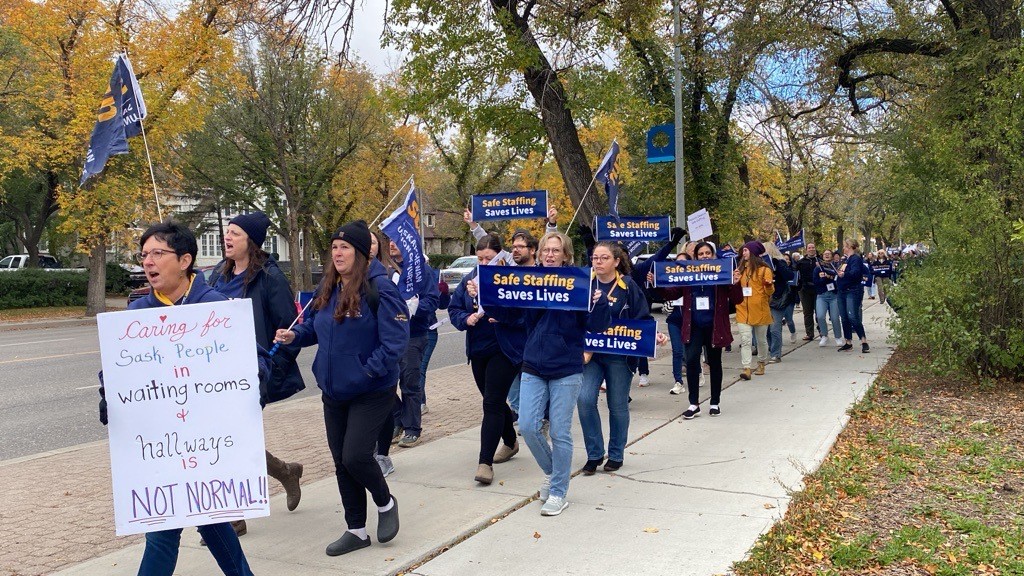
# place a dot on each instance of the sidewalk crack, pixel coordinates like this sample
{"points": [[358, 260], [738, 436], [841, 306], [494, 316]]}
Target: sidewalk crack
{"points": [[704, 488]]}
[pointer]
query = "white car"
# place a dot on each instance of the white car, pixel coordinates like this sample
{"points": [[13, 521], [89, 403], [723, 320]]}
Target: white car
{"points": [[453, 274]]}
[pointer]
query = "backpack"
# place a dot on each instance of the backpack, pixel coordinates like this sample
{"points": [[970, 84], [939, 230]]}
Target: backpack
{"points": [[780, 297]]}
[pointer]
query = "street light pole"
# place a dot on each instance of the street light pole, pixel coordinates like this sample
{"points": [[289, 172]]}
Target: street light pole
{"points": [[680, 184]]}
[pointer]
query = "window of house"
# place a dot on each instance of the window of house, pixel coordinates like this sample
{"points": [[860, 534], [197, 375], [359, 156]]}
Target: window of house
{"points": [[210, 246], [428, 220], [270, 244]]}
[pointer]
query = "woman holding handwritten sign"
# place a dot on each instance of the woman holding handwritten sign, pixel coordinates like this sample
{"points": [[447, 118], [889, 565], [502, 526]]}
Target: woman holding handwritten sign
{"points": [[361, 325], [168, 256]]}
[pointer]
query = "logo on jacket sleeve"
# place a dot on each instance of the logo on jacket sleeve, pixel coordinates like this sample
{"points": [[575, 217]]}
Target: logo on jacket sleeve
{"points": [[401, 317]]}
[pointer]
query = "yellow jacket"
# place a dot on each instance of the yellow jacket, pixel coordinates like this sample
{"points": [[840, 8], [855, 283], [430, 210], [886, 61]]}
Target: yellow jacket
{"points": [[754, 308]]}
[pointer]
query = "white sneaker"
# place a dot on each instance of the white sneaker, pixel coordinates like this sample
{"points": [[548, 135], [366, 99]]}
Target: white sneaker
{"points": [[837, 343], [644, 381], [823, 341], [545, 489], [554, 506], [792, 337], [677, 388], [700, 383]]}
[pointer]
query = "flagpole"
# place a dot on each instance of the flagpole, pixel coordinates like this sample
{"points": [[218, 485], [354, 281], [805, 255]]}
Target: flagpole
{"points": [[587, 191], [390, 201], [152, 177]]}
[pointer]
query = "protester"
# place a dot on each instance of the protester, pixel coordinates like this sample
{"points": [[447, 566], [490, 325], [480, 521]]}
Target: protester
{"points": [[524, 253], [778, 302], [625, 300], [808, 293], [168, 257], [704, 326], [827, 299], [851, 296], [444, 298], [495, 352], [249, 272], [361, 325], [674, 322], [869, 262], [753, 314], [553, 374], [390, 432], [883, 281]]}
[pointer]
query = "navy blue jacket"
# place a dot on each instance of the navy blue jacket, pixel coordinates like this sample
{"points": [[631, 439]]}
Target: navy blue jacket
{"points": [[852, 276], [273, 307], [358, 355], [487, 338], [554, 338], [821, 284], [430, 297]]}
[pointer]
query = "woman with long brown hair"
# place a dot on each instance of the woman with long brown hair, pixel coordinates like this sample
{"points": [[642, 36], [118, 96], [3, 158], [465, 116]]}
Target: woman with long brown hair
{"points": [[361, 325], [753, 314]]}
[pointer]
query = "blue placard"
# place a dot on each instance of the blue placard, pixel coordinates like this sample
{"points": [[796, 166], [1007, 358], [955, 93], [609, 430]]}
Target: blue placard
{"points": [[666, 153], [510, 205], [882, 270], [693, 272], [625, 337], [554, 288], [643, 228]]}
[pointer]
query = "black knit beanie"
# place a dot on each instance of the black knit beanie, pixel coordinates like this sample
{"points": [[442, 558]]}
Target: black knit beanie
{"points": [[255, 225], [357, 234]]}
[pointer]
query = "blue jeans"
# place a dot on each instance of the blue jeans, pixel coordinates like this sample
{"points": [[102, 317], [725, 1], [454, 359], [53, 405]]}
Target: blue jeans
{"points": [[775, 333], [615, 371], [851, 311], [513, 395], [789, 317], [161, 555], [559, 396], [675, 334], [427, 352], [828, 302]]}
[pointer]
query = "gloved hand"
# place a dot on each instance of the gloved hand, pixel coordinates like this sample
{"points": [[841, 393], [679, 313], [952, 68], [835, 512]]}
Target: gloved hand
{"points": [[677, 234], [413, 304], [103, 402]]}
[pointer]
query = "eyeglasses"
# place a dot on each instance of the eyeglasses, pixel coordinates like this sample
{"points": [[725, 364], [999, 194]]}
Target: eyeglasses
{"points": [[602, 258], [519, 246], [551, 251], [156, 254]]}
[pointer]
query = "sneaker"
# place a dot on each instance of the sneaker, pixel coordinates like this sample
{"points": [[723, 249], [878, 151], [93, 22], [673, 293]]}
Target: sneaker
{"points": [[423, 409], [837, 342], [644, 381], [715, 411], [591, 466], [385, 463], [775, 360], [677, 388], [745, 375], [484, 474], [792, 337], [845, 347], [760, 369], [864, 348], [409, 440], [545, 489], [396, 435], [505, 453], [612, 465], [823, 341], [691, 412], [604, 387], [553, 506]]}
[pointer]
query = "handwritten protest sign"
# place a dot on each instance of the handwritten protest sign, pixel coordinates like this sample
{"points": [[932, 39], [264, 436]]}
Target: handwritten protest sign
{"points": [[557, 288], [693, 272], [625, 337], [510, 205], [644, 228], [186, 430], [699, 224]]}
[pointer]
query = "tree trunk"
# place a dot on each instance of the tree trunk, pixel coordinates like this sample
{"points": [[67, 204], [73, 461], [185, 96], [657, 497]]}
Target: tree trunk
{"points": [[294, 254], [839, 238], [96, 297]]}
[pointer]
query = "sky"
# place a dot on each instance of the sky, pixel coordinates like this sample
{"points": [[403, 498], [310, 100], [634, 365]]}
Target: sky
{"points": [[368, 24]]}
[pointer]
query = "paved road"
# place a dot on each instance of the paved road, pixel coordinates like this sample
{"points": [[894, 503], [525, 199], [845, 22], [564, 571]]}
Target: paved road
{"points": [[48, 385]]}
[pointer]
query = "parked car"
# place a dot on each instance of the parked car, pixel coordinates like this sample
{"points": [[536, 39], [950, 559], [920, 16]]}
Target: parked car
{"points": [[18, 261], [652, 295], [453, 274]]}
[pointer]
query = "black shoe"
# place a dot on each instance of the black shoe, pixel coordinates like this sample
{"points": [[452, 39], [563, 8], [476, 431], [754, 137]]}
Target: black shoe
{"points": [[845, 347], [728, 348], [864, 348], [691, 414], [348, 542], [396, 434], [612, 465], [715, 411], [753, 352], [387, 523], [591, 466]]}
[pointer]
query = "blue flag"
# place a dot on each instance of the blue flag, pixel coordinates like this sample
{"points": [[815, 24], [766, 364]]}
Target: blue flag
{"points": [[608, 174], [133, 107], [403, 228], [794, 243], [108, 135]]}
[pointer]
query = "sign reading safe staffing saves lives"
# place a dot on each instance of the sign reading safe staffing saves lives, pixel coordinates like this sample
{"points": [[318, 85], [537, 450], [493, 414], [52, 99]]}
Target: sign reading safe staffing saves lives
{"points": [[556, 288], [186, 429], [509, 205]]}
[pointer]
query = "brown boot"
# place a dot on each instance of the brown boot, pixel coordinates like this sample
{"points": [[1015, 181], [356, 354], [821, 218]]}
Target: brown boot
{"points": [[484, 474], [745, 374], [288, 475], [760, 369]]}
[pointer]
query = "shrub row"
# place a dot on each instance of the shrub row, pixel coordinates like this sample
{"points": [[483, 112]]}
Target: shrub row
{"points": [[38, 288]]}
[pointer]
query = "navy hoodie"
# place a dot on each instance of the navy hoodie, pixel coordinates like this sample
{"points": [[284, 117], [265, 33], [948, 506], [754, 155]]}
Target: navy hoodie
{"points": [[486, 338], [430, 297], [358, 355], [850, 281]]}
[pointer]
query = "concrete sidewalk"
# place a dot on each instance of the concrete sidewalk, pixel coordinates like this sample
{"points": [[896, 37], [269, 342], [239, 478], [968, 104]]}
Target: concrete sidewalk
{"points": [[692, 497]]}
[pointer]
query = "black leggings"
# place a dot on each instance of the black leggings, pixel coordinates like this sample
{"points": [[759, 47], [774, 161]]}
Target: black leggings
{"points": [[700, 339], [352, 428], [494, 376]]}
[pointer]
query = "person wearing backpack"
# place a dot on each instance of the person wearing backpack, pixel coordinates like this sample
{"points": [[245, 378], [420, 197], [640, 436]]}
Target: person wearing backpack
{"points": [[361, 326], [249, 272], [778, 302]]}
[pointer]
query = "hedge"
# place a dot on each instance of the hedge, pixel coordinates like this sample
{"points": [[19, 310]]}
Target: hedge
{"points": [[441, 261], [118, 279], [38, 288]]}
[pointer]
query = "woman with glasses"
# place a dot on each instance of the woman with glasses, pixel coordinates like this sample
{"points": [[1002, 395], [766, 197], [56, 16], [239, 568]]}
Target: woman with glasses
{"points": [[553, 374], [625, 300]]}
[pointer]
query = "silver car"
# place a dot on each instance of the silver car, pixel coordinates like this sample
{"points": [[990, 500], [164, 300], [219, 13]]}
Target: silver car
{"points": [[453, 275]]}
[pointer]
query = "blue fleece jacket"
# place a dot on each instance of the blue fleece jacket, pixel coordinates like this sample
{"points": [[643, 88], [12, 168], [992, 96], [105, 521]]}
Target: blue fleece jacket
{"points": [[358, 355], [486, 338], [821, 284], [852, 276]]}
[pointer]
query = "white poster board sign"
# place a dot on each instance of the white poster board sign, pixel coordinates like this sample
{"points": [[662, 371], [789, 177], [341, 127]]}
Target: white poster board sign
{"points": [[186, 429], [698, 224]]}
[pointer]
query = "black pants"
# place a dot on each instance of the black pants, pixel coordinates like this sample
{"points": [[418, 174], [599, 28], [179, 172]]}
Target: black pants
{"points": [[494, 376], [407, 410], [352, 428], [700, 338], [808, 300]]}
